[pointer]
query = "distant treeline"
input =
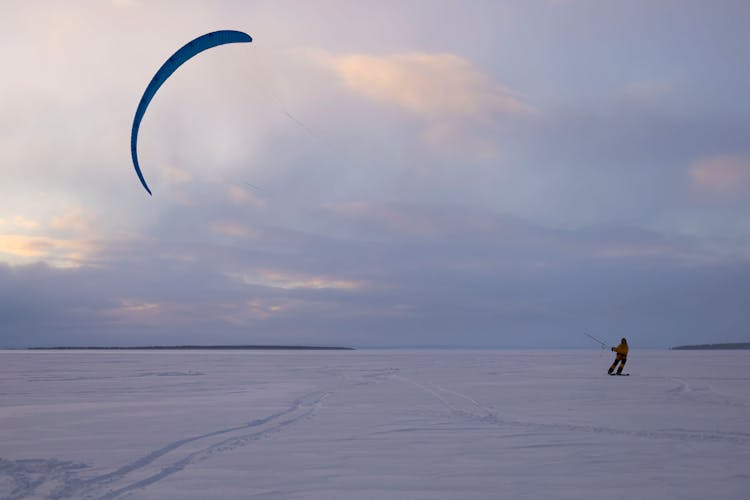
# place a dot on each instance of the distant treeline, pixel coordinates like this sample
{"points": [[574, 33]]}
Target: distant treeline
{"points": [[736, 345], [195, 347]]}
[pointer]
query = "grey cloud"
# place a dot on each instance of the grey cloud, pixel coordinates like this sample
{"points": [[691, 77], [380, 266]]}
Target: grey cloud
{"points": [[501, 282]]}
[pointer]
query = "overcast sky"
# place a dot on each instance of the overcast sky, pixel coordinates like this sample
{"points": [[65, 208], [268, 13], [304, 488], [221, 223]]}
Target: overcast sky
{"points": [[464, 173]]}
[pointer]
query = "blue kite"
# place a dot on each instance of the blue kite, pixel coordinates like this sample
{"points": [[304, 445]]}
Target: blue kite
{"points": [[189, 50]]}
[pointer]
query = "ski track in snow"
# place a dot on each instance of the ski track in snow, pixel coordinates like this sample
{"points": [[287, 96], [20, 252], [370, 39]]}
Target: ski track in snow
{"points": [[29, 476], [456, 403], [26, 476], [62, 481], [702, 392]]}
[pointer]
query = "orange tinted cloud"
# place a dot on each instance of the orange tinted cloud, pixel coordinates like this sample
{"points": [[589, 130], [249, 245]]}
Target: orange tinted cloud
{"points": [[129, 306], [427, 84], [75, 220], [62, 240], [723, 175], [297, 281], [234, 229], [243, 196], [19, 222], [55, 251]]}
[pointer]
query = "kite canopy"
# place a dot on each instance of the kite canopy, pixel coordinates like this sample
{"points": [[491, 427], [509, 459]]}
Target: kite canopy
{"points": [[188, 51]]}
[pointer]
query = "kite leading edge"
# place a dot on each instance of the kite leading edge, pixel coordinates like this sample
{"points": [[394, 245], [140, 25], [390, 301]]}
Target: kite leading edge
{"points": [[189, 50]]}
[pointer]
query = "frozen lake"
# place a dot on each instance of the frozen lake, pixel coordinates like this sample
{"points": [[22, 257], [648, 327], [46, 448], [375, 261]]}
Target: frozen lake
{"points": [[373, 424]]}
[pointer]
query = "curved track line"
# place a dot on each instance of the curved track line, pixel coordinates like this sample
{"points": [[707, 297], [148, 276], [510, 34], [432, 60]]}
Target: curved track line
{"points": [[301, 408], [222, 446], [477, 412]]}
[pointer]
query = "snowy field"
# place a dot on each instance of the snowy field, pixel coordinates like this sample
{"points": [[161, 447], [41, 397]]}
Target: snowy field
{"points": [[374, 424]]}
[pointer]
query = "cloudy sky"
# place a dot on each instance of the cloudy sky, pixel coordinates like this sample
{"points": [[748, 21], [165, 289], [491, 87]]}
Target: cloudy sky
{"points": [[392, 173]]}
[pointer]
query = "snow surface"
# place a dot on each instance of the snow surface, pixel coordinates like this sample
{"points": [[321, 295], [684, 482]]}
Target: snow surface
{"points": [[373, 424]]}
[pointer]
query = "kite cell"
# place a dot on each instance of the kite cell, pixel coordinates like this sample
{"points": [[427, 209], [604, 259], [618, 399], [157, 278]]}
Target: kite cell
{"points": [[190, 50]]}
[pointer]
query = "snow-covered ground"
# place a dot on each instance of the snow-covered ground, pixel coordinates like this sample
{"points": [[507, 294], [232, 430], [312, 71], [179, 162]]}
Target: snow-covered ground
{"points": [[373, 424]]}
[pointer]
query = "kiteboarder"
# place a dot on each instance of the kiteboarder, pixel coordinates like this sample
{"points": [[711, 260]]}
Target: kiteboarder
{"points": [[621, 357]]}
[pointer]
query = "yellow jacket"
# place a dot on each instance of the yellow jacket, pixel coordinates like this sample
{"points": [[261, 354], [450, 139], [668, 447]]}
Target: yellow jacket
{"points": [[621, 349]]}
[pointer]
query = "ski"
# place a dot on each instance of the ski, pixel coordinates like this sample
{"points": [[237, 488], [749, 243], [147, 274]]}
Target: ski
{"points": [[618, 374]]}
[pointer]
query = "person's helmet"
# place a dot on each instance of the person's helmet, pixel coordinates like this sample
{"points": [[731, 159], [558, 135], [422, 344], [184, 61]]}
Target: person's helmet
{"points": [[623, 340]]}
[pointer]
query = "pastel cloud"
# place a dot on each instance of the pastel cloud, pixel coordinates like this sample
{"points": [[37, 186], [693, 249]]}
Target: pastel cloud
{"points": [[242, 196], [721, 175], [297, 281], [130, 306], [75, 220], [234, 229], [19, 222], [57, 241], [55, 251], [433, 85], [256, 309], [139, 311]]}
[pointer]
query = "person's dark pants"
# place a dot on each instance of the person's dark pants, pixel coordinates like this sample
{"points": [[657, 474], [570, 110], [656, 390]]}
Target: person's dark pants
{"points": [[618, 359]]}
